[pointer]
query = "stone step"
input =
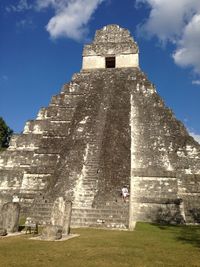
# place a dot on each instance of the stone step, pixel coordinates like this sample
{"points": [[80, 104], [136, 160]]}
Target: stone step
{"points": [[44, 211], [90, 179], [86, 203], [91, 162], [87, 194], [76, 220], [95, 148], [44, 206], [98, 220], [92, 158], [83, 204], [101, 224], [41, 208], [41, 218], [115, 209], [118, 216], [99, 211], [27, 195], [89, 185], [110, 213], [88, 189], [91, 172]]}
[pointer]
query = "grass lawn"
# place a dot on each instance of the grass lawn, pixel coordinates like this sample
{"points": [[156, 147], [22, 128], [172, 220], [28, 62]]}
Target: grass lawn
{"points": [[149, 245]]}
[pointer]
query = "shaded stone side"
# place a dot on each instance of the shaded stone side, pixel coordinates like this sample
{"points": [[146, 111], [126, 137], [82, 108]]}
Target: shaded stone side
{"points": [[164, 159], [114, 169]]}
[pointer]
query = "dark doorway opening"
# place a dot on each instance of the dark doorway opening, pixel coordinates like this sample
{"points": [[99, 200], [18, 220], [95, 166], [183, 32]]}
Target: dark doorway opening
{"points": [[110, 62]]}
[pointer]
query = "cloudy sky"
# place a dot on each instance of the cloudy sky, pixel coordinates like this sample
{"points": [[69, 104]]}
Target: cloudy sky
{"points": [[41, 45]]}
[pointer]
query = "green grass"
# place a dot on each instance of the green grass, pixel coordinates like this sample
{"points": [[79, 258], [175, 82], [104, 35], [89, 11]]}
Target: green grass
{"points": [[148, 245]]}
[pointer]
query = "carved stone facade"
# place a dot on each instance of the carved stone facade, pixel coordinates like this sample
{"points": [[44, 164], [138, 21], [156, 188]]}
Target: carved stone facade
{"points": [[107, 128]]}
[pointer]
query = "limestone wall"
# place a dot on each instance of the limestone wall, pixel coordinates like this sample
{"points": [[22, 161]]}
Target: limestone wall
{"points": [[122, 61], [127, 61], [93, 62], [164, 159]]}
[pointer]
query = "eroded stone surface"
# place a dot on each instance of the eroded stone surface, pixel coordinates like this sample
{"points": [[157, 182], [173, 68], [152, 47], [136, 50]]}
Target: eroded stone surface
{"points": [[61, 214], [107, 128], [10, 216], [51, 232]]}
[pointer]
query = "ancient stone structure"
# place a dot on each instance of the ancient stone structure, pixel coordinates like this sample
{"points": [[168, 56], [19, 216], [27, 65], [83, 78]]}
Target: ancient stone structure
{"points": [[107, 128], [10, 217], [61, 214], [51, 232]]}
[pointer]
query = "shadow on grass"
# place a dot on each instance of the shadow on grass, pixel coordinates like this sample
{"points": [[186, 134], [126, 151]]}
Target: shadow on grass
{"points": [[190, 234]]}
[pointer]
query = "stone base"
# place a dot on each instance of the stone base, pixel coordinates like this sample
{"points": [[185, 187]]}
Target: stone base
{"points": [[64, 238], [52, 232], [3, 232]]}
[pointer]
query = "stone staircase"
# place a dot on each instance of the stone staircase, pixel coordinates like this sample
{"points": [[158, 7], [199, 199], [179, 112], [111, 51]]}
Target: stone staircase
{"points": [[41, 210], [84, 214], [87, 184], [111, 217]]}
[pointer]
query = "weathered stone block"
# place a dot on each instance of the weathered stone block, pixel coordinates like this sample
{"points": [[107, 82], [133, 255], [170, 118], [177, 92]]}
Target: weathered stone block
{"points": [[52, 232], [10, 216], [61, 214]]}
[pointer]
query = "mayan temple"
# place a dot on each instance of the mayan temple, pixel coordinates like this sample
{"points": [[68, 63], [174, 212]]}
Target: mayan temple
{"points": [[107, 128]]}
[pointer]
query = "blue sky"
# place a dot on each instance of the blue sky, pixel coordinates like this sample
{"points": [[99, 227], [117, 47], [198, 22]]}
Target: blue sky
{"points": [[42, 40]]}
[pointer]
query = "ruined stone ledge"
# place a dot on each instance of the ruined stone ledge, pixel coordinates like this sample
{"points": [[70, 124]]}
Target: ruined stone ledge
{"points": [[195, 177], [149, 200], [41, 170], [107, 72], [153, 172], [192, 194], [15, 168]]}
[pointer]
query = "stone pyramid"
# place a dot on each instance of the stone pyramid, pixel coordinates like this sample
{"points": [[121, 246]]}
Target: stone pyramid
{"points": [[107, 128]]}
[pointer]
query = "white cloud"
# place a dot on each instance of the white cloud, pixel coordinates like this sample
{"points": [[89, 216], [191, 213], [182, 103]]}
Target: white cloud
{"points": [[25, 24], [196, 82], [176, 21], [21, 6], [71, 17], [195, 136], [188, 51]]}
